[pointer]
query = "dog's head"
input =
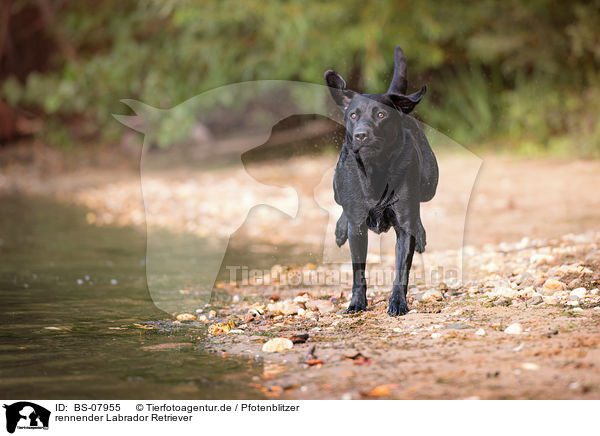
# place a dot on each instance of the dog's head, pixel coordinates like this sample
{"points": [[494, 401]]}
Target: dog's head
{"points": [[373, 121]]}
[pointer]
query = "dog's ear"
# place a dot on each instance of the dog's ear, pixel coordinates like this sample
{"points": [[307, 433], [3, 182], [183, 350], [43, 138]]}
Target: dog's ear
{"points": [[399, 79], [406, 103], [337, 87]]}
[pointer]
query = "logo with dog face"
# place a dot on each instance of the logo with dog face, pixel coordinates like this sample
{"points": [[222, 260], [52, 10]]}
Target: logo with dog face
{"points": [[213, 204], [26, 415]]}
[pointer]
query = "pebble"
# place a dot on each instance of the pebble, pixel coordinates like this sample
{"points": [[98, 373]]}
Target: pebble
{"points": [[505, 291], [579, 292], [457, 326], [289, 308], [236, 299], [530, 366], [573, 303], [540, 258], [323, 306], [551, 286], [113, 281], [301, 299], [432, 295], [526, 293], [480, 332], [536, 299], [514, 329], [436, 335], [277, 345], [185, 317], [550, 299]]}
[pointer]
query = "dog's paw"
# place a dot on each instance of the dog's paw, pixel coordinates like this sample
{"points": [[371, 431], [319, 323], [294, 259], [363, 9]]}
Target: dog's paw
{"points": [[341, 239], [397, 308], [355, 308], [341, 231], [357, 305]]}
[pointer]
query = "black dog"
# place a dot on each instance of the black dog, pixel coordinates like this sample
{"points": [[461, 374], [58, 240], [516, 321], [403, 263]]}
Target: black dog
{"points": [[386, 168]]}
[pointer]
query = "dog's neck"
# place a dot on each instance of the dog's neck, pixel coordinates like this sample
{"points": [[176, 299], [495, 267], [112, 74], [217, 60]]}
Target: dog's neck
{"points": [[372, 172]]}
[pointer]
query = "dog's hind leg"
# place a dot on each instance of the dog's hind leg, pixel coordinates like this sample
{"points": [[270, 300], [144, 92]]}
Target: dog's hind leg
{"points": [[341, 230], [405, 248], [358, 239]]}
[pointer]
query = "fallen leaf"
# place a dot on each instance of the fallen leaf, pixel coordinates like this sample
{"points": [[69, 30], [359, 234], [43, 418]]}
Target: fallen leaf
{"points": [[313, 362], [358, 359], [220, 328], [141, 326], [382, 390]]}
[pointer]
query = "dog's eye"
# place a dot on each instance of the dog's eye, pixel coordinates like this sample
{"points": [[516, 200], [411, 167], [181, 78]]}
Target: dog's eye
{"points": [[380, 114], [353, 115]]}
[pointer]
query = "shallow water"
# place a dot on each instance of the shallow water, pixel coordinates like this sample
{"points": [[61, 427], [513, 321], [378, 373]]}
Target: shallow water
{"points": [[71, 294]]}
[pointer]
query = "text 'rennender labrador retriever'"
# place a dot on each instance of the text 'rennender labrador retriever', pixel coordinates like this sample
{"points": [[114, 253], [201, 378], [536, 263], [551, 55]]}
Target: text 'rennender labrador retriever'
{"points": [[385, 170]]}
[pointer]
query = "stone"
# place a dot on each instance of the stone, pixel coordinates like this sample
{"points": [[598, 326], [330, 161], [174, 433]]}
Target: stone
{"points": [[551, 286], [480, 332], [514, 329], [274, 307], [418, 296], [526, 293], [301, 299], [505, 291], [322, 306], [575, 283], [185, 317], [457, 326], [550, 299], [277, 345], [452, 283], [529, 366], [289, 308], [436, 335], [579, 292], [503, 301], [432, 295], [540, 259], [535, 300], [573, 303]]}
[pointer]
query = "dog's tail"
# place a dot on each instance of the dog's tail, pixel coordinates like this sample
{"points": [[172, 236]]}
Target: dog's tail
{"points": [[341, 230]]}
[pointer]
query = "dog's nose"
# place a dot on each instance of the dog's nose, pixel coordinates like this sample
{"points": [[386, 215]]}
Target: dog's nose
{"points": [[360, 135]]}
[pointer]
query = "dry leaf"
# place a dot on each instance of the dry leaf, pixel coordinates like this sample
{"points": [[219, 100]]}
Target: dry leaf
{"points": [[359, 359]]}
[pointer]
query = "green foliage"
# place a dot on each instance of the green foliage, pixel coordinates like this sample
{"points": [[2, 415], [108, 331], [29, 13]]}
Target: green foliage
{"points": [[522, 70]]}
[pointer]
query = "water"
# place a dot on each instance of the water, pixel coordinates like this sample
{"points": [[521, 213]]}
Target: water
{"points": [[71, 294]]}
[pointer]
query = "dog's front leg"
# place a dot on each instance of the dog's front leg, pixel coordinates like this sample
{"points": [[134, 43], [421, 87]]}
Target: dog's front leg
{"points": [[405, 248], [358, 239]]}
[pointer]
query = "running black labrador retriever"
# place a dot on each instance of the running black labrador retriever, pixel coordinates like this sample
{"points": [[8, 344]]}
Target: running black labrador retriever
{"points": [[385, 169]]}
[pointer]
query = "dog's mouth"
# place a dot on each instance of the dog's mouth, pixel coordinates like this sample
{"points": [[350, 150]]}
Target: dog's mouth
{"points": [[366, 148]]}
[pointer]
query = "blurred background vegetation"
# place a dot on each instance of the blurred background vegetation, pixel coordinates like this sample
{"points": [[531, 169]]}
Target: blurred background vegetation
{"points": [[511, 76]]}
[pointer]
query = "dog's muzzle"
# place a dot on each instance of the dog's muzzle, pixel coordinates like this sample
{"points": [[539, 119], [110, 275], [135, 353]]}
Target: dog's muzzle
{"points": [[360, 138]]}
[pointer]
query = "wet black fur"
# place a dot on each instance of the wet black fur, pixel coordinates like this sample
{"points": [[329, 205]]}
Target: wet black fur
{"points": [[385, 170]]}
